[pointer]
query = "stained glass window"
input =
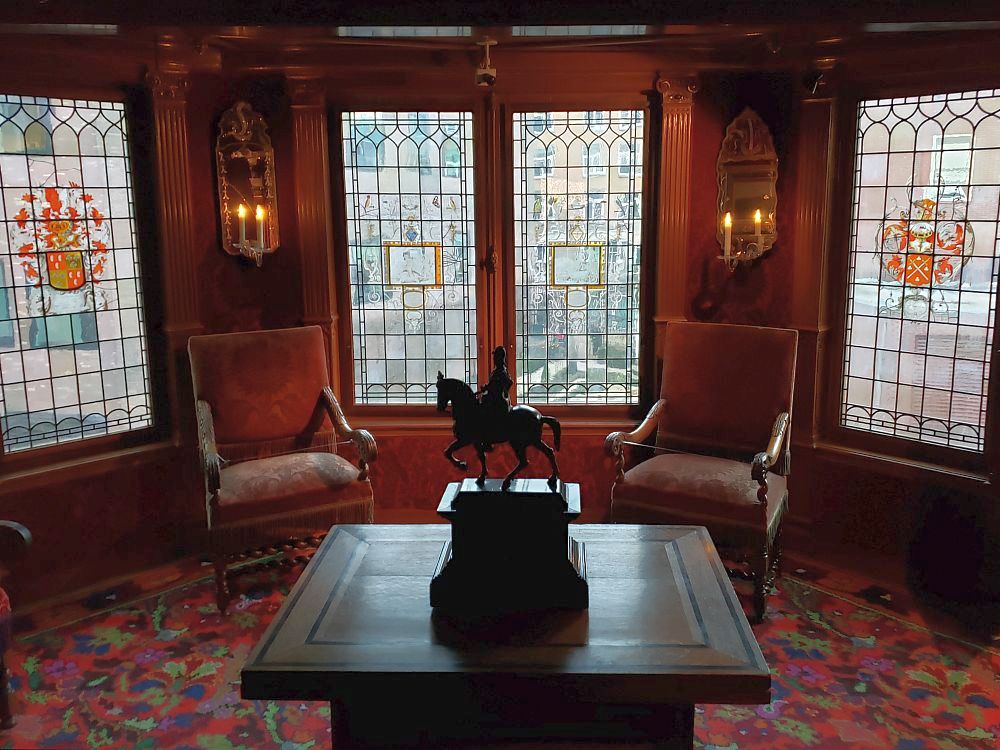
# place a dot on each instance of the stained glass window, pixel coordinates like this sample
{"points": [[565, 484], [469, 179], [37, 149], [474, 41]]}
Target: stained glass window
{"points": [[923, 268], [412, 261], [73, 355], [577, 230]]}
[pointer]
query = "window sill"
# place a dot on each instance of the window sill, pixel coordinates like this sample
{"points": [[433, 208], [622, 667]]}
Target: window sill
{"points": [[85, 466], [899, 467], [392, 426]]}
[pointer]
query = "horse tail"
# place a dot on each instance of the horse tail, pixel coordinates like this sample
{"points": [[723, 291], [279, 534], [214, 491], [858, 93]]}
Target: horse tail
{"points": [[556, 429]]}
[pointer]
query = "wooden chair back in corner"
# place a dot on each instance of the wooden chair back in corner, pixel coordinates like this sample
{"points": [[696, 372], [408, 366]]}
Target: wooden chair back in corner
{"points": [[724, 386]]}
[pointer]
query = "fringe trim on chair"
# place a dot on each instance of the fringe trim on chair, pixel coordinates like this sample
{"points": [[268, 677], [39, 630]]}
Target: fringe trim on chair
{"points": [[279, 527]]}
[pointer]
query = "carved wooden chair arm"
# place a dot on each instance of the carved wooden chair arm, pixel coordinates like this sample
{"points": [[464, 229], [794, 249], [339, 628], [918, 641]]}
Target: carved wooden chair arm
{"points": [[764, 460], [614, 444], [363, 440], [211, 461]]}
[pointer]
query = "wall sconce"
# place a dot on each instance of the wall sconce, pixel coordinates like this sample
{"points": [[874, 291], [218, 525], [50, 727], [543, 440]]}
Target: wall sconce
{"points": [[748, 173], [245, 163]]}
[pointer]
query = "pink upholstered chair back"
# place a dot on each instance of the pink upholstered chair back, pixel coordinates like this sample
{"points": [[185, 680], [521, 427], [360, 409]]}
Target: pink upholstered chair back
{"points": [[264, 389], [724, 386]]}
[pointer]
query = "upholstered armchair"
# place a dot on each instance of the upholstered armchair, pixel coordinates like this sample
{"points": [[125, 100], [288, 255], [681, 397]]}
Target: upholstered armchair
{"points": [[722, 444], [268, 428], [14, 540]]}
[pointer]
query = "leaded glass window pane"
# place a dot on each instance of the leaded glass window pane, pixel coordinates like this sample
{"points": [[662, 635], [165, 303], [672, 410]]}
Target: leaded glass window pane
{"points": [[411, 237], [73, 354], [577, 229], [923, 268]]}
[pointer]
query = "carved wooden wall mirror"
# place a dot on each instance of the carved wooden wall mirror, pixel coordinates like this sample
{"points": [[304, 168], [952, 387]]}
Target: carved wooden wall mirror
{"points": [[245, 164], [748, 173]]}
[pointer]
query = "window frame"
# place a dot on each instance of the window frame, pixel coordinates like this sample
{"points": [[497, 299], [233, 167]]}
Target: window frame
{"points": [[841, 217], [647, 249], [494, 217], [141, 154]]}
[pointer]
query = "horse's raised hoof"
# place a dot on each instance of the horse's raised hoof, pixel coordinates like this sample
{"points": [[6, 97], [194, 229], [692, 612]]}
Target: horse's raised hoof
{"points": [[462, 465]]}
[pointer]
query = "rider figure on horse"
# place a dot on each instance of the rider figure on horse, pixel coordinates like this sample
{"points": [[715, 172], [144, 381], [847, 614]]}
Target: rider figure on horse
{"points": [[493, 396]]}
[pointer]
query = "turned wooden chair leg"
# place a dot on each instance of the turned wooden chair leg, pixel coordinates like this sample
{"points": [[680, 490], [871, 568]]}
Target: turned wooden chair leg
{"points": [[6, 718], [776, 556], [760, 587], [222, 595]]}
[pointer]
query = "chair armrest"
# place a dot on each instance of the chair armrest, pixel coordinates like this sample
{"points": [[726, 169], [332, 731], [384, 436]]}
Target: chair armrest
{"points": [[763, 461], [614, 444], [362, 439], [14, 541], [211, 462]]}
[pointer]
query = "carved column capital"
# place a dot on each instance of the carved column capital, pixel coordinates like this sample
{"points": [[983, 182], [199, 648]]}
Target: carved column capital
{"points": [[168, 85], [305, 91], [678, 90]]}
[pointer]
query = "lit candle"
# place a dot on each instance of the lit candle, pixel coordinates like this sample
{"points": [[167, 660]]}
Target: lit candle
{"points": [[756, 226], [727, 232], [260, 226], [242, 213]]}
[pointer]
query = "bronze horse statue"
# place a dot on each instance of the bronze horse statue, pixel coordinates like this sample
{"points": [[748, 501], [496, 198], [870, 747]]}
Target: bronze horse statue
{"points": [[520, 426]]}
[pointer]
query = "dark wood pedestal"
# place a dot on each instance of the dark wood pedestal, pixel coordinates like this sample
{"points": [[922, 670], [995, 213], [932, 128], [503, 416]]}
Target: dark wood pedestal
{"points": [[663, 632], [510, 551], [452, 721]]}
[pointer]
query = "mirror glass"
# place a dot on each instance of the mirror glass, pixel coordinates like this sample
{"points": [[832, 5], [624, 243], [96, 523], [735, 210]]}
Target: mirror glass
{"points": [[244, 161], [747, 175]]}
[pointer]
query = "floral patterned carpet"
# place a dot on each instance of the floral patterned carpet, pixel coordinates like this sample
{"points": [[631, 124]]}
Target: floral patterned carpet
{"points": [[163, 672]]}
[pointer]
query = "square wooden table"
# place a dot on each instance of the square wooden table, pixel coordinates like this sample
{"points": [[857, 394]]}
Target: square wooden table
{"points": [[664, 631]]}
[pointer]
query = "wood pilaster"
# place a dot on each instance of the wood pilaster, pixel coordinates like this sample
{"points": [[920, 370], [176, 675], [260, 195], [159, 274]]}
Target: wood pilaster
{"points": [[814, 177], [168, 87], [676, 101], [313, 211]]}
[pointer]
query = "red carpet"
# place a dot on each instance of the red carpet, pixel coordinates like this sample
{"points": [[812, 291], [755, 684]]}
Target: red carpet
{"points": [[164, 673]]}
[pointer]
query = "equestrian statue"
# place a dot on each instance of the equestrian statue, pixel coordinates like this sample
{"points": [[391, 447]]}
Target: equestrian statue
{"points": [[486, 418]]}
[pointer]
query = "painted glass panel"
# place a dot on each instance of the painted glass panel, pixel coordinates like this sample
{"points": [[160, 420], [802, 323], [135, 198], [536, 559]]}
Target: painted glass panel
{"points": [[577, 230], [923, 268], [73, 353], [411, 240]]}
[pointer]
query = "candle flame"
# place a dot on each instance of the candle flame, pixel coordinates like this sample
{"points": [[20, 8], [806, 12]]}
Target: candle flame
{"points": [[260, 213], [728, 220], [756, 216], [241, 211]]}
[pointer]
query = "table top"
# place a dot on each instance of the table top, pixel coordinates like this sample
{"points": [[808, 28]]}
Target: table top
{"points": [[664, 624]]}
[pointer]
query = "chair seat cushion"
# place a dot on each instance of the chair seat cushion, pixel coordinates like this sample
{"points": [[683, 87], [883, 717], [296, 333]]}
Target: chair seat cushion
{"points": [[285, 484], [690, 489]]}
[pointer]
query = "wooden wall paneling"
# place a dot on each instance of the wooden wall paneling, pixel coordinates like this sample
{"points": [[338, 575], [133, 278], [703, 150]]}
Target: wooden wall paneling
{"points": [[168, 85], [313, 202], [674, 193], [816, 147], [814, 180]]}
